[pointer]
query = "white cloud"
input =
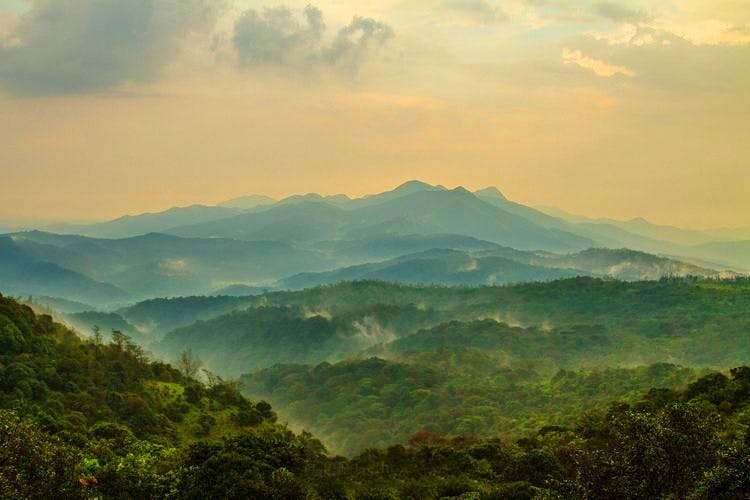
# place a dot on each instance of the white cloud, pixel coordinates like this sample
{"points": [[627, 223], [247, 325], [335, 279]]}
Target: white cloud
{"points": [[626, 34], [599, 67]]}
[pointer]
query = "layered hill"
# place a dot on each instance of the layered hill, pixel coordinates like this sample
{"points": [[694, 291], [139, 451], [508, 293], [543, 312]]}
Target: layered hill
{"points": [[436, 267], [569, 323], [25, 271], [106, 271], [251, 246], [498, 266], [303, 220]]}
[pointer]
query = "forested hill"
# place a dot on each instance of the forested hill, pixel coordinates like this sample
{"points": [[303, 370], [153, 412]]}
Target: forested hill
{"points": [[98, 420], [104, 399], [69, 384], [567, 323]]}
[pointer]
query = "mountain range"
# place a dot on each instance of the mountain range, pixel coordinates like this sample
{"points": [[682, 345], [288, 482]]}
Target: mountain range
{"points": [[416, 233], [241, 218]]}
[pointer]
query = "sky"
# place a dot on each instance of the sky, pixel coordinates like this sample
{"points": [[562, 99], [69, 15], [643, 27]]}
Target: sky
{"points": [[604, 108]]}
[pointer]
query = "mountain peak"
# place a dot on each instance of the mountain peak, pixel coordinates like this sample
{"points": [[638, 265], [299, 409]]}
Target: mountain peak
{"points": [[414, 186], [490, 192]]}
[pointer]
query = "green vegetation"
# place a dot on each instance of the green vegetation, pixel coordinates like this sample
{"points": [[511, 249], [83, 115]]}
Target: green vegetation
{"points": [[408, 358], [159, 316], [501, 265], [87, 323], [573, 323], [479, 409], [70, 385], [262, 336], [354, 405], [106, 403]]}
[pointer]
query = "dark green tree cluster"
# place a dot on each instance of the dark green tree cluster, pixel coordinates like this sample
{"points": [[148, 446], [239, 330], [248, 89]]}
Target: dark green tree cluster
{"points": [[452, 391]]}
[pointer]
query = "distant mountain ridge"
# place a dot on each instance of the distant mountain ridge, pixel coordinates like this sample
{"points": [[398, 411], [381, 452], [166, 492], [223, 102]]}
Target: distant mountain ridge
{"points": [[137, 225], [643, 227], [409, 209], [568, 232], [151, 265], [501, 266], [252, 242]]}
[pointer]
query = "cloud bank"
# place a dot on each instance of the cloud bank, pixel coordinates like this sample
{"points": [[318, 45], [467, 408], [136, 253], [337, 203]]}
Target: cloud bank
{"points": [[80, 46], [274, 36]]}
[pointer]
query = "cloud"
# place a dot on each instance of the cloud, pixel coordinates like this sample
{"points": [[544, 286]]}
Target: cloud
{"points": [[80, 46], [621, 13], [353, 41], [629, 34], [599, 67], [274, 36], [477, 11], [467, 13], [661, 59]]}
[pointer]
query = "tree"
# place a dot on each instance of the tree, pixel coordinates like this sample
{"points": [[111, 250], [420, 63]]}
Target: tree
{"points": [[97, 337], [118, 338], [35, 464], [189, 363]]}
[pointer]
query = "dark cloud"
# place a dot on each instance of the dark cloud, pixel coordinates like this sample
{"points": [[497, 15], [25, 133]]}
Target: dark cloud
{"points": [[79, 46], [275, 36], [353, 41], [621, 13]]}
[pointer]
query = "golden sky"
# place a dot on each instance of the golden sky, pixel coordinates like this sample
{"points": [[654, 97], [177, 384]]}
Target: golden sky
{"points": [[605, 108]]}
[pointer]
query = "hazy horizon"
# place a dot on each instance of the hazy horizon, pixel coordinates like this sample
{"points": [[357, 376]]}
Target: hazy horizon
{"points": [[40, 223], [616, 109]]}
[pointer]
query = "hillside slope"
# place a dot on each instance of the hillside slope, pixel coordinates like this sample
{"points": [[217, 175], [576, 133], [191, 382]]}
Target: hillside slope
{"points": [[26, 273], [156, 265], [137, 225], [498, 266]]}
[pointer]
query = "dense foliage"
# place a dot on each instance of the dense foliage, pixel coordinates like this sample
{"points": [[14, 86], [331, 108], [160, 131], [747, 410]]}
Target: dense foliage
{"points": [[104, 399], [260, 337], [70, 385], [126, 427], [450, 361], [572, 323], [357, 404], [159, 316]]}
